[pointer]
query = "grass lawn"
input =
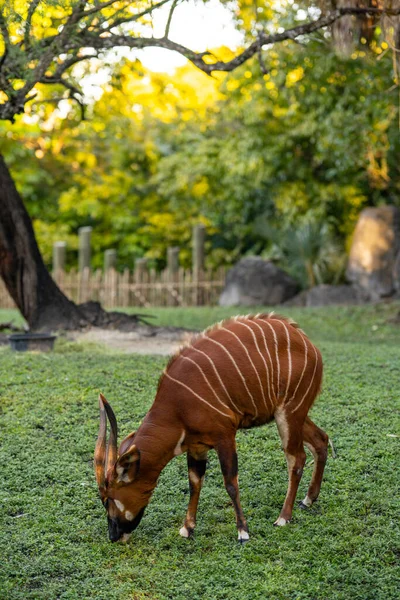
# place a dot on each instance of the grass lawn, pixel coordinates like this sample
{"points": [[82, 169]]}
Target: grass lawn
{"points": [[53, 535]]}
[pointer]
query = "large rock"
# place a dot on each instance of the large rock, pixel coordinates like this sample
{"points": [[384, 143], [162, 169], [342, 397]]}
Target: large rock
{"points": [[256, 281], [376, 244], [330, 295]]}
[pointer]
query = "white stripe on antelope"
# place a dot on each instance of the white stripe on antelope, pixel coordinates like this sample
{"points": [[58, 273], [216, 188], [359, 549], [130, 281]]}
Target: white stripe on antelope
{"points": [[241, 373]]}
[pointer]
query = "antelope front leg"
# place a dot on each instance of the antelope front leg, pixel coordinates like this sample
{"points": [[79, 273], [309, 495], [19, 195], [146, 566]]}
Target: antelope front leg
{"points": [[229, 465], [196, 470]]}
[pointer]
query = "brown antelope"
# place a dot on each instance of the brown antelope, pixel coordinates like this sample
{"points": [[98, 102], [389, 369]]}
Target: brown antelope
{"points": [[240, 373]]}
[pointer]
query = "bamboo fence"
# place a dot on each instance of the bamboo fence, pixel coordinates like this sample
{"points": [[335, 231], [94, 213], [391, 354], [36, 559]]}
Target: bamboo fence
{"points": [[138, 288]]}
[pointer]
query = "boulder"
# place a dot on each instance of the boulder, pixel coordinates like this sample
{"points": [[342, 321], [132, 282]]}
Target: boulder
{"points": [[396, 274], [255, 281], [376, 243], [299, 299], [327, 295], [330, 295]]}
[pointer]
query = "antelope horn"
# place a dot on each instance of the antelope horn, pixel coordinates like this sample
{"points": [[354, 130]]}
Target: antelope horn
{"points": [[100, 450], [111, 453]]}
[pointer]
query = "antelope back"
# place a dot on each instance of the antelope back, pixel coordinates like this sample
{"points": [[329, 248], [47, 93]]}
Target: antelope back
{"points": [[246, 367]]}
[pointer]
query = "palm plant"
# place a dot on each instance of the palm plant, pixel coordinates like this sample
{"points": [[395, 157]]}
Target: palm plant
{"points": [[307, 250]]}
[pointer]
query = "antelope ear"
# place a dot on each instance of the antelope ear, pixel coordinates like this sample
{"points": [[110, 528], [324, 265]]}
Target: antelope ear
{"points": [[127, 442], [127, 465]]}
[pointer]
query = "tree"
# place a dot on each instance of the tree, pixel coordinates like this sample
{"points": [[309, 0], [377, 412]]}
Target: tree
{"points": [[40, 44]]}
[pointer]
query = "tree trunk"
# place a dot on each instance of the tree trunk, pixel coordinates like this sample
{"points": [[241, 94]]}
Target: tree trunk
{"points": [[41, 302]]}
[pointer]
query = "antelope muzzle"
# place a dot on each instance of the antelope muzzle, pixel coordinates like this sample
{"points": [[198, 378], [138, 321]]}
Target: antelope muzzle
{"points": [[117, 529]]}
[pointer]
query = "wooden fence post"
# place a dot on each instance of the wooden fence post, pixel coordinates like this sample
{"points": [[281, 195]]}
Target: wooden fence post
{"points": [[199, 234], [140, 268], [59, 254], [172, 275], [173, 259], [140, 279], [85, 235], [110, 259]]}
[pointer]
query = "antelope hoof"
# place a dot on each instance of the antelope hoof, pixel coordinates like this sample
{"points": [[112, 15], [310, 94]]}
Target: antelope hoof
{"points": [[243, 536], [280, 522], [306, 503], [185, 532]]}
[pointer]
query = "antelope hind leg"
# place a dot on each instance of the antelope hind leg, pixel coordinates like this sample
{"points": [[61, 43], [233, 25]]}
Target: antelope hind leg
{"points": [[292, 441], [316, 441]]}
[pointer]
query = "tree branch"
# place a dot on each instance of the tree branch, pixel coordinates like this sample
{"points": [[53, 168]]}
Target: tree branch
{"points": [[136, 17], [74, 91], [31, 10], [171, 14], [62, 67], [97, 9], [291, 34], [6, 38], [74, 38], [197, 58]]}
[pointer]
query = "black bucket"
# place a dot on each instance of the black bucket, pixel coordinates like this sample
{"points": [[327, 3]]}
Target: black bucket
{"points": [[41, 342]]}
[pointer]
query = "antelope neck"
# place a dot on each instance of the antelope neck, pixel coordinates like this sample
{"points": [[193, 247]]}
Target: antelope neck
{"points": [[156, 442]]}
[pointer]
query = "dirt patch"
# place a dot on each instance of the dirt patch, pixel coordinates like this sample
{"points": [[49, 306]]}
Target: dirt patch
{"points": [[118, 331], [144, 340]]}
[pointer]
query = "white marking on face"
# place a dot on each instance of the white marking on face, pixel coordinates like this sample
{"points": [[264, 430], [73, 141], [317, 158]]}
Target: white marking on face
{"points": [[184, 532], [129, 516], [178, 447], [235, 365], [281, 522], [307, 501], [243, 535], [119, 505], [197, 395], [120, 470]]}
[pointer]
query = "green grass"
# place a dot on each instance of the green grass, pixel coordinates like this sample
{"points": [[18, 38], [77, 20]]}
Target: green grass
{"points": [[53, 534], [8, 315], [367, 324]]}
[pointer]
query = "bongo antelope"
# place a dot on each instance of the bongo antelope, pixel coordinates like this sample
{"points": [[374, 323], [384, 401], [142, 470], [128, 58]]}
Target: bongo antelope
{"points": [[241, 373]]}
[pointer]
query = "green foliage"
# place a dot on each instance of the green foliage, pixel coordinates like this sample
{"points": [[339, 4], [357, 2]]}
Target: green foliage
{"points": [[53, 527], [308, 251], [316, 137]]}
